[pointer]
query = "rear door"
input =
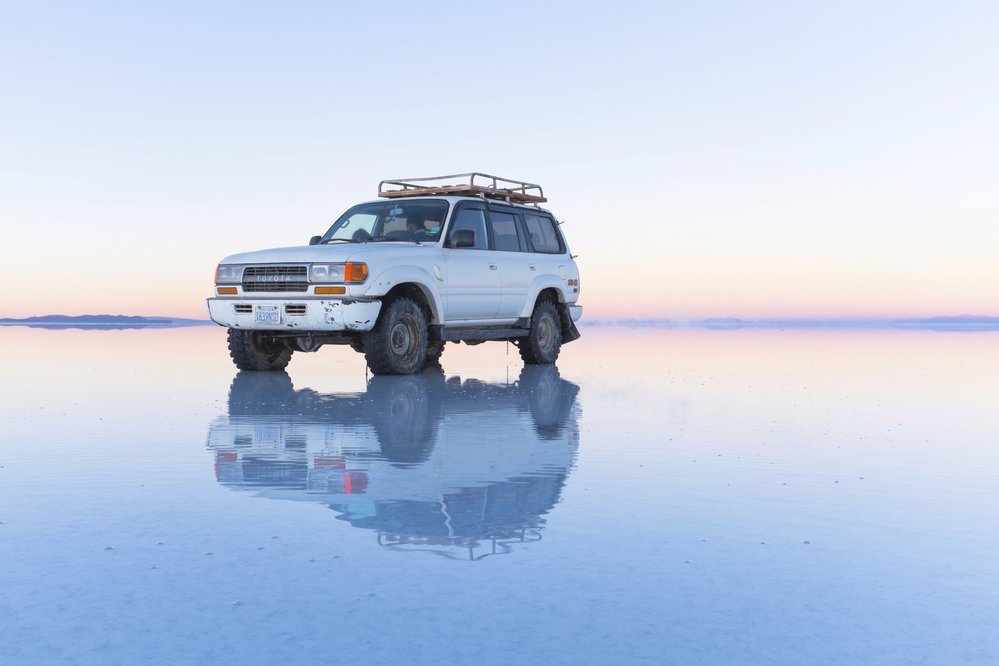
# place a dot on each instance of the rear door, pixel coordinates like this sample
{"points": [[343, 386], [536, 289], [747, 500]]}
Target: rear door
{"points": [[517, 267]]}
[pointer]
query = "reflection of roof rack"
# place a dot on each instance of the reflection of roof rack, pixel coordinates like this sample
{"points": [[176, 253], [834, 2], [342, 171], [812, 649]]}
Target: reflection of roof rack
{"points": [[464, 184], [501, 543]]}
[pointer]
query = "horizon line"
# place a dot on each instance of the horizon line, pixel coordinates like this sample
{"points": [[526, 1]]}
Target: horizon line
{"points": [[945, 322]]}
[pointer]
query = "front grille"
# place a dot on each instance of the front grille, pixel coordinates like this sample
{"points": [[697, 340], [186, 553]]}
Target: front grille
{"points": [[275, 278], [296, 310]]}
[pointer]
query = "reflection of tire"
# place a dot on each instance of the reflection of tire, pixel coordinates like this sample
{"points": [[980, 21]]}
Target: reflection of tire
{"points": [[543, 343], [397, 345], [405, 411], [253, 350], [549, 396], [259, 394]]}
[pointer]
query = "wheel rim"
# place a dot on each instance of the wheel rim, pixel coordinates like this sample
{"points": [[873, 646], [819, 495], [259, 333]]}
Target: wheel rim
{"points": [[546, 333], [402, 339]]}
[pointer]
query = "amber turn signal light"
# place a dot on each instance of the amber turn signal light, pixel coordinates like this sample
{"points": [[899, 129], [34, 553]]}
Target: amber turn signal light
{"points": [[226, 291], [355, 272], [331, 290]]}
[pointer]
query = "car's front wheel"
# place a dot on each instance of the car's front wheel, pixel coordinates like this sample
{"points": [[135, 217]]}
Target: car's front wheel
{"points": [[397, 345], [253, 350]]}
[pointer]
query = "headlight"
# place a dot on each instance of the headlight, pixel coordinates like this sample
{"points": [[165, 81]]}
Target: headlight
{"points": [[326, 273], [338, 273], [228, 274]]}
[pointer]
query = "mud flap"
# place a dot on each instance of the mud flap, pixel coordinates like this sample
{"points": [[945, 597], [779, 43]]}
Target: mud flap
{"points": [[569, 330]]}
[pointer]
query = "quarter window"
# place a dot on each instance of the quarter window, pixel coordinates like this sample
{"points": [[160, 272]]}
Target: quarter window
{"points": [[541, 229]]}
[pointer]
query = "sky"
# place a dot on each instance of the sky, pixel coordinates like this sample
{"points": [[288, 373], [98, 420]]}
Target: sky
{"points": [[781, 159]]}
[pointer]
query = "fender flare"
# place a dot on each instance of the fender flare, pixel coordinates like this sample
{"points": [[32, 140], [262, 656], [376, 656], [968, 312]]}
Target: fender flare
{"points": [[538, 285], [390, 278]]}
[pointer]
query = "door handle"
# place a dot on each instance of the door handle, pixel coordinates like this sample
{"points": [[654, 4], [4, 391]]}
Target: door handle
{"points": [[532, 267], [492, 267]]}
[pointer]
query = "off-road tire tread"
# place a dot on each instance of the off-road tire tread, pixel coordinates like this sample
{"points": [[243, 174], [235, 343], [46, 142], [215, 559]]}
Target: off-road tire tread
{"points": [[377, 346], [529, 347], [434, 350], [249, 356]]}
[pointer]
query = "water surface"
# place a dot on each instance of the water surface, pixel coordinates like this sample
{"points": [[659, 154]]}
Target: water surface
{"points": [[661, 496]]}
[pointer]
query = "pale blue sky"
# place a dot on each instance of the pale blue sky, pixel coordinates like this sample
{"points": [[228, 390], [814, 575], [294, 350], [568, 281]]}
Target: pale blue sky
{"points": [[780, 159]]}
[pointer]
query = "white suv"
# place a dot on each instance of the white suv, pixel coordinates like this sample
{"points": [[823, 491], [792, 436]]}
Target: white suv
{"points": [[453, 258]]}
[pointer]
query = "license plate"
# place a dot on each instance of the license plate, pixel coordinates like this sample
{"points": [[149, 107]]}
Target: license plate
{"points": [[267, 435], [267, 314]]}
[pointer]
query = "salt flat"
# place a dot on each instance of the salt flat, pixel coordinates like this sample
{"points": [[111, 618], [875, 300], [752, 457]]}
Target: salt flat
{"points": [[662, 496]]}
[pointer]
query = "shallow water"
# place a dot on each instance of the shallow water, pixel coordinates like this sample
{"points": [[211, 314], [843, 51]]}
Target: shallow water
{"points": [[662, 496]]}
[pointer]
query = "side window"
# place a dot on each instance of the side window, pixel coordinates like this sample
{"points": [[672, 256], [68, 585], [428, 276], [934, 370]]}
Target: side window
{"points": [[506, 232], [541, 229], [468, 229]]}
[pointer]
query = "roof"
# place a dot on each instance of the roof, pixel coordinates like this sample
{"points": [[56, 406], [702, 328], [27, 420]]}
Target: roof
{"points": [[464, 184]]}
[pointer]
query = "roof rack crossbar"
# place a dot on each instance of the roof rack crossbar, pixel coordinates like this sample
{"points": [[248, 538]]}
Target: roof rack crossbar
{"points": [[464, 184]]}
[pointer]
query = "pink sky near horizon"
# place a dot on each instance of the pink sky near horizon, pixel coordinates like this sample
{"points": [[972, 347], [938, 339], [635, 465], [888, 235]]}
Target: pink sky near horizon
{"points": [[602, 298], [821, 161]]}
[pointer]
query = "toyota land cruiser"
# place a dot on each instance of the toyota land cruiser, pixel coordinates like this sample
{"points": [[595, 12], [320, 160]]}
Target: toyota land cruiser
{"points": [[465, 258]]}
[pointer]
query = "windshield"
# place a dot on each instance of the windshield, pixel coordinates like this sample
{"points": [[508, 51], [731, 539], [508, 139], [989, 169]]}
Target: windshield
{"points": [[412, 220]]}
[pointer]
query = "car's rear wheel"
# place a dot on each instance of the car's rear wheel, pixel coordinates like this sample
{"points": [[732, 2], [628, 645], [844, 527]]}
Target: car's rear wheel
{"points": [[434, 350], [543, 343], [397, 345], [256, 351]]}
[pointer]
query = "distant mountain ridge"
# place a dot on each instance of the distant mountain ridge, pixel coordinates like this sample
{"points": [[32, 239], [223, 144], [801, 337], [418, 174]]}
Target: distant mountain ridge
{"points": [[100, 321]]}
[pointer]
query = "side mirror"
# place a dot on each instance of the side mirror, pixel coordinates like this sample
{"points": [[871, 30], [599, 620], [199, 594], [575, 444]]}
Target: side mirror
{"points": [[463, 238], [315, 240]]}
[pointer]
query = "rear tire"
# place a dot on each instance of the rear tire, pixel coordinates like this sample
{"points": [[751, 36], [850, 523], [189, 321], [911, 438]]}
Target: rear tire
{"points": [[543, 343], [397, 345], [255, 351], [434, 350]]}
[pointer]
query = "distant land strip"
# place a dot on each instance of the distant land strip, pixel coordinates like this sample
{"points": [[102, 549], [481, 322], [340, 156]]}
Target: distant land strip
{"points": [[103, 321], [942, 323]]}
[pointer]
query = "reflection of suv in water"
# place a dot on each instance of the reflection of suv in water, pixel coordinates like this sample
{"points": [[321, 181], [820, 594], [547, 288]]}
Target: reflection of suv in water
{"points": [[406, 458], [456, 258]]}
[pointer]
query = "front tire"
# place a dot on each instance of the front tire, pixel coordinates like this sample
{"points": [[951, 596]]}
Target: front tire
{"points": [[255, 351], [397, 345], [543, 343]]}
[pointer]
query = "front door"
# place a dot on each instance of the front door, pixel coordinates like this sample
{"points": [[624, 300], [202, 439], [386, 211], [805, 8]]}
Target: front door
{"points": [[472, 289]]}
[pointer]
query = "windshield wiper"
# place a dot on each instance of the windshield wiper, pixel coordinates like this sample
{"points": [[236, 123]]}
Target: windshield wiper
{"points": [[383, 239]]}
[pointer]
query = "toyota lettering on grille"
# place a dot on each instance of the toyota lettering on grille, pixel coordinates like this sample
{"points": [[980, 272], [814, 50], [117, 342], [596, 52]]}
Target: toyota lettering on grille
{"points": [[273, 278]]}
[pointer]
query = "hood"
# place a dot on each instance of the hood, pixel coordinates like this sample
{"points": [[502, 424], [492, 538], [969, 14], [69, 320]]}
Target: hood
{"points": [[322, 253]]}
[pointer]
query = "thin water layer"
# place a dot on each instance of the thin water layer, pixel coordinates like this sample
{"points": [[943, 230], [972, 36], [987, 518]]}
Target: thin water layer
{"points": [[659, 496]]}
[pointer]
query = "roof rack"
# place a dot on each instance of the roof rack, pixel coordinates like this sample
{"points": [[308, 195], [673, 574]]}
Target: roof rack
{"points": [[464, 184]]}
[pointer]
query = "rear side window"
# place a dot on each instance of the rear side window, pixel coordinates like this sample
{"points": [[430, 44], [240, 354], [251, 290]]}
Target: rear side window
{"points": [[506, 232], [541, 229]]}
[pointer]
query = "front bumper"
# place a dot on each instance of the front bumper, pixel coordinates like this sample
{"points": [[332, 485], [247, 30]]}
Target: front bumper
{"points": [[305, 314]]}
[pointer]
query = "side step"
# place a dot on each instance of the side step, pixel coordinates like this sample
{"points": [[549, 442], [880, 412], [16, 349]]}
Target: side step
{"points": [[485, 333]]}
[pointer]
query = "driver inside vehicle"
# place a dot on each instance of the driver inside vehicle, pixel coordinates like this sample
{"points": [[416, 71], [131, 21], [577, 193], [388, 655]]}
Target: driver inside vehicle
{"points": [[417, 228]]}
